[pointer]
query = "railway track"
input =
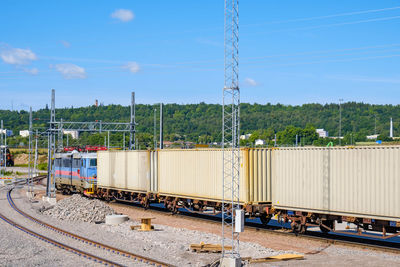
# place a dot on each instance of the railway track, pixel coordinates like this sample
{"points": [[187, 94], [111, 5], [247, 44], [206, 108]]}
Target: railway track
{"points": [[97, 259], [379, 245]]}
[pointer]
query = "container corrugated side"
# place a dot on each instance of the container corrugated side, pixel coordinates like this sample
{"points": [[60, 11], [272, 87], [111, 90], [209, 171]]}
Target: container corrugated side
{"points": [[358, 182], [154, 171], [257, 165], [125, 170], [198, 174]]}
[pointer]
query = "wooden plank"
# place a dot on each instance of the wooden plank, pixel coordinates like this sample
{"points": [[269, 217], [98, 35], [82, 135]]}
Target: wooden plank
{"points": [[202, 247], [282, 257]]}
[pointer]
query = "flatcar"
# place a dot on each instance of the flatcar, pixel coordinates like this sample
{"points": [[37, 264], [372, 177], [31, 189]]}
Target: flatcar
{"points": [[75, 171]]}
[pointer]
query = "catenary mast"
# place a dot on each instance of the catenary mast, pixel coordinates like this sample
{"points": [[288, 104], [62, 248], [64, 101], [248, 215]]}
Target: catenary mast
{"points": [[231, 212]]}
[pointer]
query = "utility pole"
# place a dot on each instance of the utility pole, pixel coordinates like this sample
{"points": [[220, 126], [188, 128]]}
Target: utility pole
{"points": [[155, 135], [108, 140], [340, 122], [161, 126], [51, 181], [375, 125], [2, 151], [132, 133], [391, 128], [123, 142], [232, 214], [30, 175], [5, 151], [36, 154], [60, 136]]}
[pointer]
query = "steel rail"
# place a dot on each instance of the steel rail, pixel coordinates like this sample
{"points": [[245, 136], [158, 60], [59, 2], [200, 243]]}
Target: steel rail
{"points": [[108, 248], [60, 245]]}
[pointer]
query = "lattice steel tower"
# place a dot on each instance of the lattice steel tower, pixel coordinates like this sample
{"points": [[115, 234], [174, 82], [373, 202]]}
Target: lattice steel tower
{"points": [[230, 132]]}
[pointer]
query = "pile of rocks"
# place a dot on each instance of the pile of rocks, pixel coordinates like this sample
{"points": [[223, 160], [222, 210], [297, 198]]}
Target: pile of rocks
{"points": [[78, 208]]}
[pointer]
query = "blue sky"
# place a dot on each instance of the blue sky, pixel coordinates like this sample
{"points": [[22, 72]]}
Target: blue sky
{"points": [[291, 52]]}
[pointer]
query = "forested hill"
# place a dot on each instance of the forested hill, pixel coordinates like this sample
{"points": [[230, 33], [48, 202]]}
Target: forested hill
{"points": [[194, 120]]}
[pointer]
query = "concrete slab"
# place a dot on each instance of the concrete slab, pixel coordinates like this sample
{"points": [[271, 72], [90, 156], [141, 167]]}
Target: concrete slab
{"points": [[50, 200], [116, 219], [231, 262]]}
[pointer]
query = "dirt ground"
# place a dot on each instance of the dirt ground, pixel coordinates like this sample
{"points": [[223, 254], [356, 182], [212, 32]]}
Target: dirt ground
{"points": [[20, 159]]}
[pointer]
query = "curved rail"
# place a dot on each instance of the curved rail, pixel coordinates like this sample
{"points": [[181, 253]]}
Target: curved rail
{"points": [[59, 244], [108, 248]]}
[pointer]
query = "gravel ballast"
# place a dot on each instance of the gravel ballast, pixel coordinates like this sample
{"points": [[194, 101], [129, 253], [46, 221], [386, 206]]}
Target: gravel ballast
{"points": [[78, 208], [171, 243]]}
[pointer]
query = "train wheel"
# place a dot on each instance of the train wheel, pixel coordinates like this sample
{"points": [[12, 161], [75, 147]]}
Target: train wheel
{"points": [[324, 229], [265, 219], [146, 204]]}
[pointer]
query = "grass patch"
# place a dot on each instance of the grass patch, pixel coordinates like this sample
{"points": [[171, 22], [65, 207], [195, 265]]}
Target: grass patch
{"points": [[21, 165], [6, 173], [42, 166]]}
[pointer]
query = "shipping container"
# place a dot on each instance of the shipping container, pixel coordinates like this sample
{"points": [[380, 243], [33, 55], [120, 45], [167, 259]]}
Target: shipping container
{"points": [[126, 170], [349, 181], [198, 174]]}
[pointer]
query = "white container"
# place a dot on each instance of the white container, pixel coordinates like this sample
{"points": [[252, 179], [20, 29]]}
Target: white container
{"points": [[197, 173], [124, 170], [357, 182]]}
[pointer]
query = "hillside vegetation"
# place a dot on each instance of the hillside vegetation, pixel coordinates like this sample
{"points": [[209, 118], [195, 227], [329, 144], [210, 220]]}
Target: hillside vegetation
{"points": [[201, 123]]}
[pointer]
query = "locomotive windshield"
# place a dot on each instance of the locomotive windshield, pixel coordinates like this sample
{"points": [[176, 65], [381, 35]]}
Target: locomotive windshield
{"points": [[93, 162]]}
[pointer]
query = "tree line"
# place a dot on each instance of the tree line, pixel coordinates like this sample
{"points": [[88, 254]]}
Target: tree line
{"points": [[201, 123]]}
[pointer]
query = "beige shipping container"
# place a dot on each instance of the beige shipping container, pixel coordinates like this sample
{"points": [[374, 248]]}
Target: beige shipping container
{"points": [[125, 170], [358, 182], [198, 173]]}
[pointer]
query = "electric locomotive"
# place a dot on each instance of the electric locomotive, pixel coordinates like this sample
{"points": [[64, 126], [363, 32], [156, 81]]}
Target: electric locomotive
{"points": [[75, 172]]}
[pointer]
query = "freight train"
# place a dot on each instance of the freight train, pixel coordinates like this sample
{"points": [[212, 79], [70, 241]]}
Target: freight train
{"points": [[310, 186]]}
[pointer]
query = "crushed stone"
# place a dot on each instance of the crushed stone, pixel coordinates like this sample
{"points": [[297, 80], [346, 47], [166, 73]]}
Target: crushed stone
{"points": [[78, 208]]}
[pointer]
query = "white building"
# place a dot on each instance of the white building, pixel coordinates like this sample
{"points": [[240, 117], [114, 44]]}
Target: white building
{"points": [[259, 142], [245, 136], [74, 134], [322, 133], [372, 137], [9, 132], [24, 133]]}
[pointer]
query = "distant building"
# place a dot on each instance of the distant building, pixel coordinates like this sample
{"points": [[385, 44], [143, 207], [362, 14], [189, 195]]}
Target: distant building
{"points": [[24, 133], [372, 137], [322, 133], [9, 132], [74, 134], [259, 142], [167, 143], [96, 103], [245, 136]]}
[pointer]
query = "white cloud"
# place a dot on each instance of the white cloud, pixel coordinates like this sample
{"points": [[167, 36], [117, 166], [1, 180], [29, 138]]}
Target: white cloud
{"points": [[65, 43], [250, 82], [17, 56], [33, 71], [132, 67], [123, 15], [70, 71]]}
